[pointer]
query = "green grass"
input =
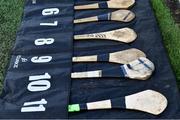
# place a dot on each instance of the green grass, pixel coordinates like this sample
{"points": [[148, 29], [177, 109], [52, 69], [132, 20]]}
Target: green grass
{"points": [[10, 15], [171, 34]]}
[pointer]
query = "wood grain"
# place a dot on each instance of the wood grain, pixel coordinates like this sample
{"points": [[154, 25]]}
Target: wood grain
{"points": [[126, 56], [148, 101], [104, 104]]}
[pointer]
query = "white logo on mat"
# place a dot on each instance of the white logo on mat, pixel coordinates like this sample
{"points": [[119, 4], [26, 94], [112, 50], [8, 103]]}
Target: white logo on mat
{"points": [[18, 60], [24, 60], [16, 64]]}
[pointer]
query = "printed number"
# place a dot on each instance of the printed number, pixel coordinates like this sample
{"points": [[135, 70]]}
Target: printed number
{"points": [[35, 106], [44, 41], [50, 11], [40, 77], [42, 59], [39, 83], [49, 24]]}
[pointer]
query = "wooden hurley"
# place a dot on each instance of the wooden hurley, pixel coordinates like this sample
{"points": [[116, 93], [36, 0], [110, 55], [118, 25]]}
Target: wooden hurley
{"points": [[147, 101], [116, 4], [122, 57], [125, 35], [119, 15], [140, 69]]}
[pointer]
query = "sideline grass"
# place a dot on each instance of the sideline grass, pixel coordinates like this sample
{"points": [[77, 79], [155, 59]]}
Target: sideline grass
{"points": [[171, 34], [10, 15]]}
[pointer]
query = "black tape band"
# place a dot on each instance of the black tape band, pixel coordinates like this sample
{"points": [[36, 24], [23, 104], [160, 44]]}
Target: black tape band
{"points": [[118, 71], [126, 16], [103, 5], [118, 103], [83, 107], [104, 17], [103, 58], [147, 66], [122, 71]]}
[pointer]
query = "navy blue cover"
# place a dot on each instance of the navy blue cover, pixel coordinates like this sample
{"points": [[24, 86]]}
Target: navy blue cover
{"points": [[16, 92], [21, 67]]}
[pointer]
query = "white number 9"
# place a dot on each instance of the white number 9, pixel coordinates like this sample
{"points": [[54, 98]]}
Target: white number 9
{"points": [[42, 59], [50, 11]]}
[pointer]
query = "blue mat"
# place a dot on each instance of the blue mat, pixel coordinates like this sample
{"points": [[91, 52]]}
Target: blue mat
{"points": [[38, 81]]}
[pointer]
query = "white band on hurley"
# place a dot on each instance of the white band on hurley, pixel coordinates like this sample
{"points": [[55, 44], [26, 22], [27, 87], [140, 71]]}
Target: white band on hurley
{"points": [[91, 74]]}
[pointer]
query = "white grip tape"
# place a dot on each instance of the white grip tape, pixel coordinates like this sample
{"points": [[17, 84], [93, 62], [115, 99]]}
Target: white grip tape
{"points": [[106, 104], [90, 74], [85, 58]]}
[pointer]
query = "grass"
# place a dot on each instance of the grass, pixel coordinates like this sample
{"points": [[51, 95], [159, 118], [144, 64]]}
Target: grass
{"points": [[171, 34], [10, 15]]}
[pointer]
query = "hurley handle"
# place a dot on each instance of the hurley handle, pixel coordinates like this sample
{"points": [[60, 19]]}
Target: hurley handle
{"points": [[92, 58], [104, 104], [102, 17], [84, 20], [90, 74], [90, 6], [118, 71], [99, 105], [90, 36]]}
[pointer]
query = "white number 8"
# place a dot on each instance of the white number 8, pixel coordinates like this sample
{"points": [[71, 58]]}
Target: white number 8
{"points": [[44, 41]]}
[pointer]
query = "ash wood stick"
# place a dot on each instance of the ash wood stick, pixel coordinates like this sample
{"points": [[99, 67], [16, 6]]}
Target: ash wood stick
{"points": [[125, 35], [148, 101], [122, 57], [119, 15], [114, 4], [140, 69]]}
